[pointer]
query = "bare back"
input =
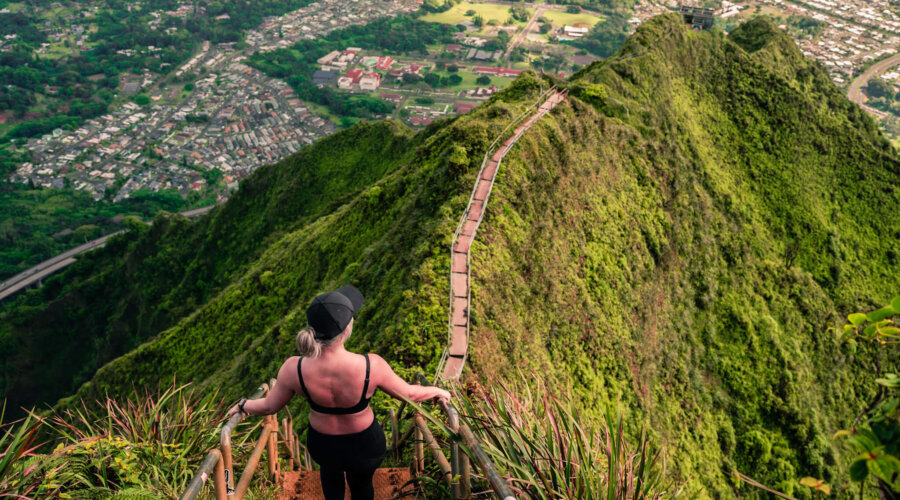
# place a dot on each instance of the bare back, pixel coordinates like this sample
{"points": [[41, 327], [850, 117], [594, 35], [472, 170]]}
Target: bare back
{"points": [[335, 379]]}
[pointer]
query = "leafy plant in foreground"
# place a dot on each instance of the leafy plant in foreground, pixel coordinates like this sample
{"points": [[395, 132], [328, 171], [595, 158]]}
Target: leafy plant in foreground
{"points": [[17, 475], [876, 430]]}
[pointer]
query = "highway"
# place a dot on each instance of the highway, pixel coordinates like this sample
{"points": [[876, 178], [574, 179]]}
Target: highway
{"points": [[854, 92], [29, 276]]}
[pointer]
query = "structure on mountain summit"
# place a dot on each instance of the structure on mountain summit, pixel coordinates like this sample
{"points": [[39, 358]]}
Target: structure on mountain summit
{"points": [[700, 18]]}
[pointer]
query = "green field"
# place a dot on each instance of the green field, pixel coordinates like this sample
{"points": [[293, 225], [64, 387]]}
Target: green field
{"points": [[468, 80], [457, 13], [56, 50], [558, 18]]}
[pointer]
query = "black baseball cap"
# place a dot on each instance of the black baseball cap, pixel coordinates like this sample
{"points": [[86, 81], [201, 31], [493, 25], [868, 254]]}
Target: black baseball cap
{"points": [[331, 312]]}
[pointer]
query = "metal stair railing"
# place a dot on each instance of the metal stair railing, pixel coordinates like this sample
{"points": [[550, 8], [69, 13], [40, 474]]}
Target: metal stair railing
{"points": [[219, 463], [455, 470]]}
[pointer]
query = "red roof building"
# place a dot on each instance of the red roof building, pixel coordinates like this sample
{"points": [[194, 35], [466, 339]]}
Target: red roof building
{"points": [[355, 75], [464, 107], [453, 47], [416, 120], [384, 62], [387, 96]]}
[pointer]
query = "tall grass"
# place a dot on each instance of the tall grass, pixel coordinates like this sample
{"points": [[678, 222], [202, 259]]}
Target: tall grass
{"points": [[547, 452], [144, 446], [17, 440]]}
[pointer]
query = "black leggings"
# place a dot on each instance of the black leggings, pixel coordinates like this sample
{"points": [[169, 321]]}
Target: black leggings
{"points": [[355, 456]]}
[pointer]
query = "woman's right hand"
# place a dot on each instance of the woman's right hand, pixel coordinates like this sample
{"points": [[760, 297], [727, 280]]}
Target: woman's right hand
{"points": [[441, 395]]}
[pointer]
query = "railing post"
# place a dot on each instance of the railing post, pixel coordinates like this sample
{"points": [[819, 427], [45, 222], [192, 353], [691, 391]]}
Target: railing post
{"points": [[453, 425], [454, 470], [227, 464], [225, 442], [288, 435], [219, 479], [420, 451], [272, 422], [395, 435], [464, 481]]}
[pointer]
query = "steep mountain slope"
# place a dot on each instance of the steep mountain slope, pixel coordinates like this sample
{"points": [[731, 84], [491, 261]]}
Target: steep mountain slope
{"points": [[687, 244], [681, 237], [54, 339]]}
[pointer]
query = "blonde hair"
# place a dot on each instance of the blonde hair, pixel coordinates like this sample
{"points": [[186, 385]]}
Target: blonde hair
{"points": [[310, 346]]}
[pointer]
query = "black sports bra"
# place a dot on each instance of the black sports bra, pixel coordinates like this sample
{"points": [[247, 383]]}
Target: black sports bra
{"points": [[358, 407]]}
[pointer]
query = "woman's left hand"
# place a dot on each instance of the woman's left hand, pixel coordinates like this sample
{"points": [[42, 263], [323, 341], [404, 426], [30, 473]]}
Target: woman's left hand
{"points": [[235, 409]]}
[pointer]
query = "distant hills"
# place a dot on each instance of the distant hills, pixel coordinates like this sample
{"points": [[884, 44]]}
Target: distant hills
{"points": [[681, 238]]}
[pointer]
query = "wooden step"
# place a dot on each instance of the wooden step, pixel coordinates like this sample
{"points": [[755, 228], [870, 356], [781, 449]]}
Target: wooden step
{"points": [[305, 485]]}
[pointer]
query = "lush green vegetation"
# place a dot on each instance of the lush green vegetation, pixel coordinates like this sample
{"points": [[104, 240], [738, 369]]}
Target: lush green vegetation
{"points": [[179, 266], [145, 446], [41, 223], [605, 38], [679, 238], [533, 433], [875, 432], [148, 445], [398, 35]]}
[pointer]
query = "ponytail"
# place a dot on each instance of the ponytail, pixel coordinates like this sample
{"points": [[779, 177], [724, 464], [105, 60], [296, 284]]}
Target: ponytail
{"points": [[307, 344]]}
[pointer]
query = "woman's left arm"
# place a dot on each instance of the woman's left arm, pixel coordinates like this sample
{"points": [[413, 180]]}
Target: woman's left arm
{"points": [[277, 397]]}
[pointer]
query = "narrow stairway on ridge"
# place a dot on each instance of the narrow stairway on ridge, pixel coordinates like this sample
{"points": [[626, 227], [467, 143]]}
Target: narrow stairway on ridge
{"points": [[453, 359], [393, 483]]}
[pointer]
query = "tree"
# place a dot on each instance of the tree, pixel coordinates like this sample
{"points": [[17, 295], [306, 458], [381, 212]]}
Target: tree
{"points": [[410, 78], [425, 101], [453, 68], [519, 12], [483, 80], [470, 13], [455, 79], [879, 88], [478, 21], [573, 9], [545, 28], [433, 79], [141, 100]]}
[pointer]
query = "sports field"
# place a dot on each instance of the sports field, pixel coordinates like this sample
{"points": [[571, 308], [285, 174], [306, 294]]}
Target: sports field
{"points": [[487, 11], [558, 18]]}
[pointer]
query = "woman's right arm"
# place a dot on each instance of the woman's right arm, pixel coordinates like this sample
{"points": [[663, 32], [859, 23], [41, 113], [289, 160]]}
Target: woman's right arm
{"points": [[391, 383]]}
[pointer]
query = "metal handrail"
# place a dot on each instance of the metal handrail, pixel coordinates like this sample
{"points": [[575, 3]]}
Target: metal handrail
{"points": [[219, 460], [456, 470]]}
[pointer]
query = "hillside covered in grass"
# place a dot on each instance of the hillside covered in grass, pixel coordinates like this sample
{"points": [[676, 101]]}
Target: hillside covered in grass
{"points": [[680, 239]]}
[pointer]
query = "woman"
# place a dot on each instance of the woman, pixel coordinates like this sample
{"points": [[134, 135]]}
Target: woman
{"points": [[344, 436]]}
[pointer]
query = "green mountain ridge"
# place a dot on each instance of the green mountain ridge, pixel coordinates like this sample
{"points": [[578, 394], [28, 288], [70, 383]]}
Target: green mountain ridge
{"points": [[680, 238]]}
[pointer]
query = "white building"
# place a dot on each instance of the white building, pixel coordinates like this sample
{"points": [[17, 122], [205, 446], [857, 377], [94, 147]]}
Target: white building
{"points": [[369, 82], [575, 32], [345, 83]]}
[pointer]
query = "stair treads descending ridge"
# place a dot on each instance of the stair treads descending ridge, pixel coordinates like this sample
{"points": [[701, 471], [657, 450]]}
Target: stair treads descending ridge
{"points": [[390, 483]]}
